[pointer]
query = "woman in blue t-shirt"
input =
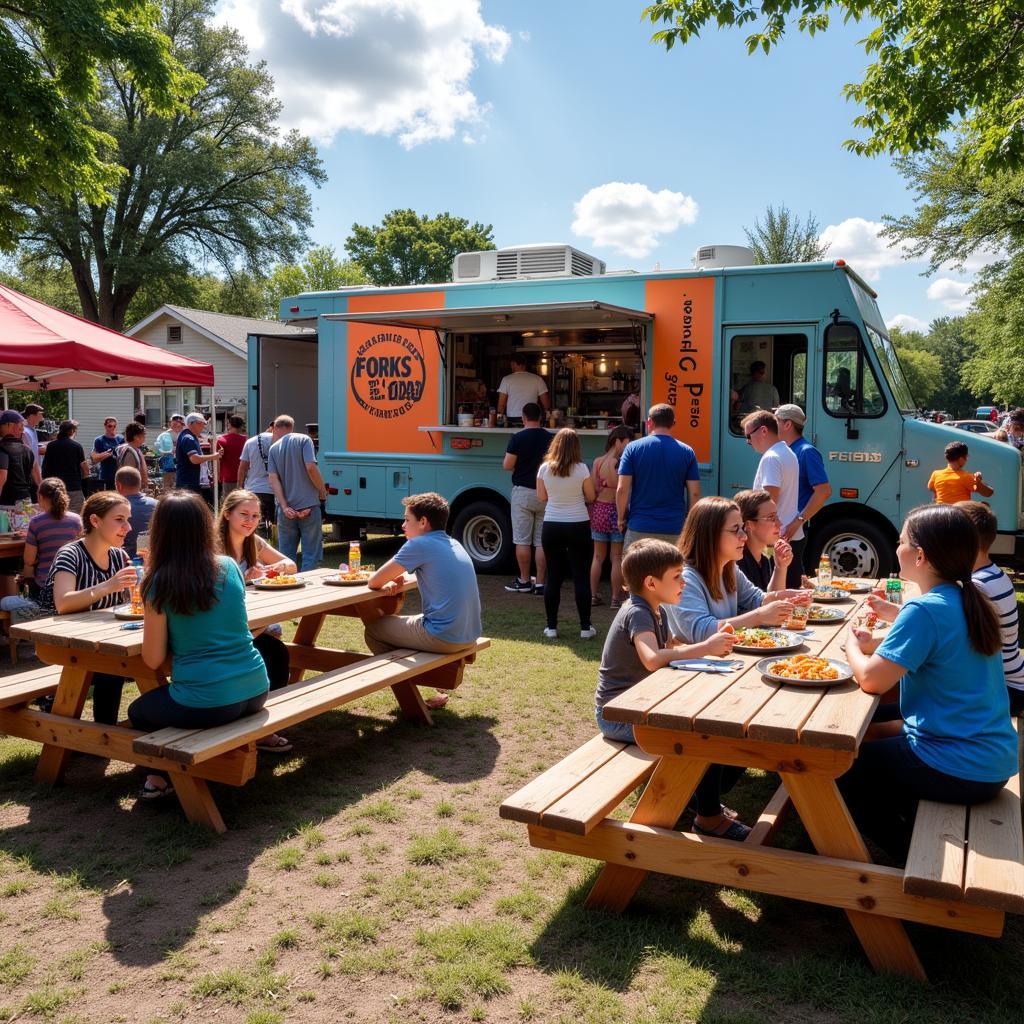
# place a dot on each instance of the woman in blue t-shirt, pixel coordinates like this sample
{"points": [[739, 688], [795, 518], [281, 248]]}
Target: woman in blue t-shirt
{"points": [[195, 612], [950, 738]]}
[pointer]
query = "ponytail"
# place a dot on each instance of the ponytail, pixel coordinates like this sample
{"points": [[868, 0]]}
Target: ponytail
{"points": [[948, 538], [53, 489]]}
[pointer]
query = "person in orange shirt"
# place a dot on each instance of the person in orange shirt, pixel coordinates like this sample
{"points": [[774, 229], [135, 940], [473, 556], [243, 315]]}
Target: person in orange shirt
{"points": [[954, 483]]}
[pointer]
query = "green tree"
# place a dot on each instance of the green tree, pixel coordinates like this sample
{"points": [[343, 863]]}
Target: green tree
{"points": [[216, 185], [319, 271], [407, 248], [51, 52], [921, 367], [995, 326], [935, 65], [785, 238]]}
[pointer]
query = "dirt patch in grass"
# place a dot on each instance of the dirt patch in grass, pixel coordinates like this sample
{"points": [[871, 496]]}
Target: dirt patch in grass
{"points": [[367, 877]]}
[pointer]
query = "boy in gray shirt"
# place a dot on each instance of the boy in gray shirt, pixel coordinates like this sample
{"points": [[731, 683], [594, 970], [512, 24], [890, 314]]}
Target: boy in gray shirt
{"points": [[638, 643]]}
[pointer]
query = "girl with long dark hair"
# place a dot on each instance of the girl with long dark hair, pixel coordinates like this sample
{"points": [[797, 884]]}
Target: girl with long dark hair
{"points": [[194, 612], [563, 481], [950, 737]]}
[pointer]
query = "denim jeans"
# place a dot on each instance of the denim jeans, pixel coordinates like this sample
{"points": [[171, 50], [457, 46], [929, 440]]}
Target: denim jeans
{"points": [[308, 531]]}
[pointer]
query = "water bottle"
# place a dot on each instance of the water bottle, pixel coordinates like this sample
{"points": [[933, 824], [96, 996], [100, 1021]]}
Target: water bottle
{"points": [[824, 571], [355, 560], [893, 589]]}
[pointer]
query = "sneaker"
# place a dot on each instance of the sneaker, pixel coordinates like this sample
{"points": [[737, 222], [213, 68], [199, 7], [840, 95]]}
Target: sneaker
{"points": [[551, 634], [518, 586], [538, 589], [588, 634]]}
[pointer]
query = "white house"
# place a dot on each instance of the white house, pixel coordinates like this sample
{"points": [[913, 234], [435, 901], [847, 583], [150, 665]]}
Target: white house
{"points": [[216, 338]]}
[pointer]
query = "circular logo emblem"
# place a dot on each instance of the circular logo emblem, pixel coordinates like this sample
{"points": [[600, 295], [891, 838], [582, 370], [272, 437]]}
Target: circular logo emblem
{"points": [[388, 375]]}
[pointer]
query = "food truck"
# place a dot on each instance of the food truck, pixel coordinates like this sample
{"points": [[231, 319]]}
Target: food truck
{"points": [[401, 382]]}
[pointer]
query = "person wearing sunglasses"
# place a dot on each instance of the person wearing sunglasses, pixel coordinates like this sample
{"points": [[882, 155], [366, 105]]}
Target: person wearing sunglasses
{"points": [[762, 526]]}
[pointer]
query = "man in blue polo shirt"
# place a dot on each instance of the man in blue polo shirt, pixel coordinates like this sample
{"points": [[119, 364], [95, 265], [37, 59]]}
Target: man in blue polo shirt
{"points": [[658, 480], [103, 449], [188, 455], [814, 488]]}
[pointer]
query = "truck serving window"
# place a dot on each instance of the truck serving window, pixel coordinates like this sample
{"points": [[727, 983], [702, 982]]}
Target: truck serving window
{"points": [[850, 387], [765, 370], [890, 363]]}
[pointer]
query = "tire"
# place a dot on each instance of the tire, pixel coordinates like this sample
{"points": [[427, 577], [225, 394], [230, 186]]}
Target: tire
{"points": [[484, 529], [856, 548]]}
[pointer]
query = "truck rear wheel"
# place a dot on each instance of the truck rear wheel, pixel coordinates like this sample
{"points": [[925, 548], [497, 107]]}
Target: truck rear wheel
{"points": [[484, 529], [855, 548]]}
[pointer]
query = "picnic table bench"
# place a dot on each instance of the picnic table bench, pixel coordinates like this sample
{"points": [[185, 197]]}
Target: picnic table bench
{"points": [[966, 865], [77, 646]]}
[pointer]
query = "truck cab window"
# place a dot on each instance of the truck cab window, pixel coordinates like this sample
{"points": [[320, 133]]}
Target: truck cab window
{"points": [[850, 387], [765, 371]]}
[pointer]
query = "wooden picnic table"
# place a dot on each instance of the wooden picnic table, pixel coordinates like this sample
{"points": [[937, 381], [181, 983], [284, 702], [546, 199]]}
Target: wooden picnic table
{"points": [[85, 643], [685, 721], [11, 547]]}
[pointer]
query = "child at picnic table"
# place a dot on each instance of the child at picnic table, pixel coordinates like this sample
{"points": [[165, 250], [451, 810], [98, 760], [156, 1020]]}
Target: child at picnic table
{"points": [[639, 642], [236, 531], [450, 620], [194, 612], [949, 738]]}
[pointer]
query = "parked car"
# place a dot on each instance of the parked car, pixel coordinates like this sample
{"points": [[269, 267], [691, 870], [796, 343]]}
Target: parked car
{"points": [[988, 412], [975, 426]]}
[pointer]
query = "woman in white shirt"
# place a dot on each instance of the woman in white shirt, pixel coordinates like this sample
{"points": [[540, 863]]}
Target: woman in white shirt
{"points": [[564, 482]]}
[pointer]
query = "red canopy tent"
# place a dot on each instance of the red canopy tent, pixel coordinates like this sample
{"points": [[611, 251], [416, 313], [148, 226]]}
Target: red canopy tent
{"points": [[44, 349]]}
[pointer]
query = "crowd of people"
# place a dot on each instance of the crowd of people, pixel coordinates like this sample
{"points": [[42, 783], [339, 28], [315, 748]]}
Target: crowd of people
{"points": [[688, 571]]}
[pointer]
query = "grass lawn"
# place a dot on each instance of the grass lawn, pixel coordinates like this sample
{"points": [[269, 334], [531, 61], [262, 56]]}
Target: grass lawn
{"points": [[367, 877]]}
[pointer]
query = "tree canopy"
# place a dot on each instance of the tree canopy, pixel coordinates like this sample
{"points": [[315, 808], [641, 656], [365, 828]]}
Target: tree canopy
{"points": [[319, 271], [51, 55], [409, 248], [785, 238], [934, 65], [215, 184]]}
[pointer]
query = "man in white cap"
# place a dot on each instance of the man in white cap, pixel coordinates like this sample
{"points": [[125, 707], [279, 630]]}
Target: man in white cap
{"points": [[814, 486], [189, 453]]}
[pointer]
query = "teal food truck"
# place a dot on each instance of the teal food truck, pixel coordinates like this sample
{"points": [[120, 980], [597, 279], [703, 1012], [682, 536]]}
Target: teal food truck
{"points": [[401, 384]]}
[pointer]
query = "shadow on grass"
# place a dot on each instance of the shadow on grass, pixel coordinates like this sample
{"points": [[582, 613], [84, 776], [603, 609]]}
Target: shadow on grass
{"points": [[95, 838]]}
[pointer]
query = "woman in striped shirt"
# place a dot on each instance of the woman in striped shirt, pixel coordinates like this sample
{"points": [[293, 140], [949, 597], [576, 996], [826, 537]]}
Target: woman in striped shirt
{"points": [[94, 572]]}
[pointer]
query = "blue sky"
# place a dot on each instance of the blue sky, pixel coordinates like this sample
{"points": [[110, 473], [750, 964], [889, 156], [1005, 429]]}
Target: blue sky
{"points": [[562, 122]]}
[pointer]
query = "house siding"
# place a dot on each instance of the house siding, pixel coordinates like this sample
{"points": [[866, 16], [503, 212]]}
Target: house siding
{"points": [[91, 406]]}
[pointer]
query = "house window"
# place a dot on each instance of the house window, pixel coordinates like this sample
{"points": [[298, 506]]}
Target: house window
{"points": [[173, 334]]}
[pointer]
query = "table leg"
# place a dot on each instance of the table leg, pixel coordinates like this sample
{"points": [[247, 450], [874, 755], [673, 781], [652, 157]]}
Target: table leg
{"points": [[665, 798], [305, 636], [197, 802], [69, 700], [411, 701], [832, 830]]}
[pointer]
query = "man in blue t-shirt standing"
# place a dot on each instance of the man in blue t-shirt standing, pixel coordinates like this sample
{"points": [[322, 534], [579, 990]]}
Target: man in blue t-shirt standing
{"points": [[103, 449], [814, 488], [447, 583], [658, 480], [299, 488], [188, 455]]}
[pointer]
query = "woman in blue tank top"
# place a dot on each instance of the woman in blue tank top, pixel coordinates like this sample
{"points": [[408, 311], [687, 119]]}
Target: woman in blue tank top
{"points": [[195, 613]]}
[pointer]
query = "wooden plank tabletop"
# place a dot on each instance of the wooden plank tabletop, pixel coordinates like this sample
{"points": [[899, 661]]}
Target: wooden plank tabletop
{"points": [[100, 630], [745, 705]]}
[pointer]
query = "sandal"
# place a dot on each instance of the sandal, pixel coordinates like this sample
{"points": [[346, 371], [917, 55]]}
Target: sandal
{"points": [[734, 830], [151, 792], [595, 601], [436, 702], [274, 744]]}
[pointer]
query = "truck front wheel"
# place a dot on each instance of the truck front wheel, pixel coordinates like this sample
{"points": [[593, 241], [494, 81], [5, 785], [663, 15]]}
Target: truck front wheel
{"points": [[855, 548], [484, 529]]}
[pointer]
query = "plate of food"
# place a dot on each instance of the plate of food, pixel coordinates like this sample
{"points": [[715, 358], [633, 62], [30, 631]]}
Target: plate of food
{"points": [[279, 582], [829, 594], [819, 615], [851, 586], [348, 579], [124, 611], [805, 670], [756, 640]]}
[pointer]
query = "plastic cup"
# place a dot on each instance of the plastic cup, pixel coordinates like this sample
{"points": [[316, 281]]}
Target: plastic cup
{"points": [[798, 617]]}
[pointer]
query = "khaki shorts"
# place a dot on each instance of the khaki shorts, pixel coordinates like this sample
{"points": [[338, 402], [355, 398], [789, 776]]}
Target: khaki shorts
{"points": [[527, 516], [393, 632], [632, 536]]}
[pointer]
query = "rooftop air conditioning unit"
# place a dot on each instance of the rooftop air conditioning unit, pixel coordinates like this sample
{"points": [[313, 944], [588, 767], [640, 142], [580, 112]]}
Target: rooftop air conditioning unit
{"points": [[708, 257], [524, 262]]}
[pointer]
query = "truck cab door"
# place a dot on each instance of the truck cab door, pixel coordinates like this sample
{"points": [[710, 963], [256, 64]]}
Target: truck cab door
{"points": [[763, 366]]}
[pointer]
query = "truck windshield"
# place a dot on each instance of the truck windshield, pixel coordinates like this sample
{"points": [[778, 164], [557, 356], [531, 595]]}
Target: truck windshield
{"points": [[890, 364]]}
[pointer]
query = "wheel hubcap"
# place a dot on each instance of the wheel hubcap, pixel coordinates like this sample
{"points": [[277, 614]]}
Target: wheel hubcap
{"points": [[482, 538], [853, 555]]}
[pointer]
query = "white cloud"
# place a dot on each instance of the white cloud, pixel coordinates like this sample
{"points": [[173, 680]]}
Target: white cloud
{"points": [[859, 242], [906, 322], [629, 217], [383, 67], [952, 294]]}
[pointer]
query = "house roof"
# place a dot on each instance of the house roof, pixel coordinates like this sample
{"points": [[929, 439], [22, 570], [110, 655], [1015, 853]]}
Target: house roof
{"points": [[231, 332]]}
